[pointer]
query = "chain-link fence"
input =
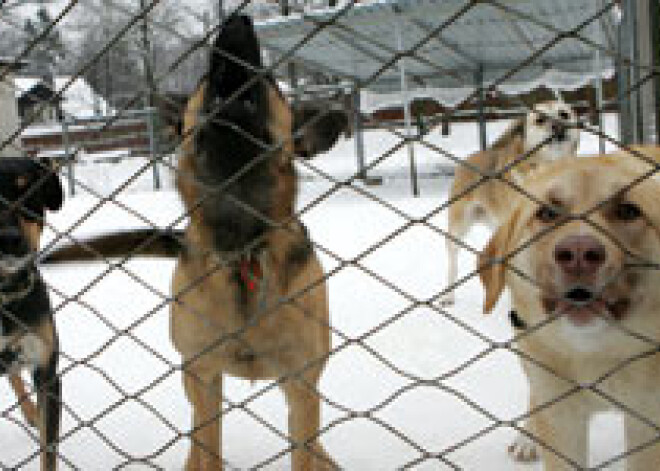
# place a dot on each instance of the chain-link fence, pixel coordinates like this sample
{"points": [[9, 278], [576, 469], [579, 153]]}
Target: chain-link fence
{"points": [[381, 95]]}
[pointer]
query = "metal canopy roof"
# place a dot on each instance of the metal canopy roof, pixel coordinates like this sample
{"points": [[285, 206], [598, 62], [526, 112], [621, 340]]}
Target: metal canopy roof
{"points": [[494, 38]]}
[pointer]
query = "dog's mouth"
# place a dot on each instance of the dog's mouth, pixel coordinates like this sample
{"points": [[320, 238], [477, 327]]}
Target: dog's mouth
{"points": [[582, 305], [560, 135], [17, 277], [11, 266]]}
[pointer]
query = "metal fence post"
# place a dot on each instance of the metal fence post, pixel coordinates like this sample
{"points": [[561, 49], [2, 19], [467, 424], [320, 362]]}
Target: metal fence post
{"points": [[406, 102], [654, 17], [624, 98], [68, 156], [151, 116], [359, 137], [598, 89], [481, 101], [647, 36]]}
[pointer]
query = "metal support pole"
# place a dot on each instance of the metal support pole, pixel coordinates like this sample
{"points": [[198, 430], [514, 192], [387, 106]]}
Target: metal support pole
{"points": [[654, 18], [598, 87], [406, 106], [151, 115], [635, 72], [483, 133], [359, 136], [68, 155], [220, 15], [147, 56], [285, 9], [107, 79], [647, 38], [626, 49]]}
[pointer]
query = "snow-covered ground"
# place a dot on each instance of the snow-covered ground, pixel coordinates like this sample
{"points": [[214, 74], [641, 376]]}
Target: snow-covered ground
{"points": [[124, 400]]}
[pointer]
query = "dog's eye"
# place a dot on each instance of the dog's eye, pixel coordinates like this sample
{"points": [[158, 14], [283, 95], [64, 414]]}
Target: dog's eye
{"points": [[564, 115], [547, 214], [540, 121], [627, 211]]}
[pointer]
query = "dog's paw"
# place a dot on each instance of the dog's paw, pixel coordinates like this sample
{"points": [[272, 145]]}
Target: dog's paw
{"points": [[523, 449]]}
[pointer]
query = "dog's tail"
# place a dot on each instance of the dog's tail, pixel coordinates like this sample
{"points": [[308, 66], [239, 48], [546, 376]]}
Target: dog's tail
{"points": [[138, 243]]}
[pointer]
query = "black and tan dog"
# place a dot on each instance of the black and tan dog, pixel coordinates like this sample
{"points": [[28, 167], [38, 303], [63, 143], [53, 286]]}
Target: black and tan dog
{"points": [[249, 291], [28, 339]]}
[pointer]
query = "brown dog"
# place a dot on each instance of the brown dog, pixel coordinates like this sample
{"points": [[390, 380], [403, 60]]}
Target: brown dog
{"points": [[249, 292], [250, 296], [586, 299], [28, 340], [545, 132]]}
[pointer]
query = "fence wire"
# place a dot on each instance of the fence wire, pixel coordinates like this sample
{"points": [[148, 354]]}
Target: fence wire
{"points": [[181, 432]]}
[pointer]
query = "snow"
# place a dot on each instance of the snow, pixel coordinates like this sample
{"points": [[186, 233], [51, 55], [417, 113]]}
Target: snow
{"points": [[118, 361]]}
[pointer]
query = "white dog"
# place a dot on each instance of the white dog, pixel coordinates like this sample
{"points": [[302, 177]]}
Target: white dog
{"points": [[546, 133], [589, 316]]}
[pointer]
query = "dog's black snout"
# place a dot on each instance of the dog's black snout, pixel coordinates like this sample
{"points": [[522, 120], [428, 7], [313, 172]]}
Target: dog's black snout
{"points": [[12, 242], [559, 131]]}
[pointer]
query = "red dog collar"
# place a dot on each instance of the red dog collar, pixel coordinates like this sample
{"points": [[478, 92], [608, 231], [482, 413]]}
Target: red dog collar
{"points": [[250, 272]]}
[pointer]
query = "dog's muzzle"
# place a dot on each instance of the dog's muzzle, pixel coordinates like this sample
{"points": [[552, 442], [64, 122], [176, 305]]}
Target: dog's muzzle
{"points": [[11, 266], [9, 357], [559, 132], [17, 277]]}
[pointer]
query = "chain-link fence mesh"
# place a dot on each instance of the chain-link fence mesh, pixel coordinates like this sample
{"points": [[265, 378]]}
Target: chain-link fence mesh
{"points": [[408, 381]]}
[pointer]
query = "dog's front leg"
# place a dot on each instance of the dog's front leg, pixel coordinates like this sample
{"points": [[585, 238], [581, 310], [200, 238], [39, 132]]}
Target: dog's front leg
{"points": [[304, 423], [27, 406], [639, 434], [562, 430], [49, 402], [204, 393]]}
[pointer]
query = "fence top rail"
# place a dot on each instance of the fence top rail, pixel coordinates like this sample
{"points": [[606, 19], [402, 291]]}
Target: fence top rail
{"points": [[80, 128]]}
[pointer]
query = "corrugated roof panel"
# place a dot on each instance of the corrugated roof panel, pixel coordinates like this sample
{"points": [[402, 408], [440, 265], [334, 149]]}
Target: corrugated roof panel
{"points": [[365, 38]]}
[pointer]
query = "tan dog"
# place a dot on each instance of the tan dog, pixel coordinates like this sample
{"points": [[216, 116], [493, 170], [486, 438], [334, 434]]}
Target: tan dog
{"points": [[250, 293], [489, 202], [589, 315]]}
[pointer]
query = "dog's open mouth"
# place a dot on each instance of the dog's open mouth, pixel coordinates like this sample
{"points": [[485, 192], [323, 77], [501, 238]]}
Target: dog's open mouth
{"points": [[17, 278], [582, 305], [11, 267]]}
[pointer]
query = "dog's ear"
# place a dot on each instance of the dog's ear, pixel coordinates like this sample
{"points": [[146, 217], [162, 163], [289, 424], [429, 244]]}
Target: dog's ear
{"points": [[317, 130], [513, 137], [489, 262]]}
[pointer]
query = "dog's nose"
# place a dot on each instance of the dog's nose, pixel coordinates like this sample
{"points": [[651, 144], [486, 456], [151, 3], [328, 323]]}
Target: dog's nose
{"points": [[580, 255], [559, 131], [12, 242]]}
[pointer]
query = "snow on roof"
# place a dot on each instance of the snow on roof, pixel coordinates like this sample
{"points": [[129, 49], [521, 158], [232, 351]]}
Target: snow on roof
{"points": [[80, 100], [24, 84]]}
